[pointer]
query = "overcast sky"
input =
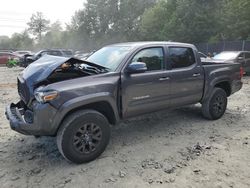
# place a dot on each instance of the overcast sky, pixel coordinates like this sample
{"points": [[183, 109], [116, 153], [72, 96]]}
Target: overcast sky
{"points": [[14, 14]]}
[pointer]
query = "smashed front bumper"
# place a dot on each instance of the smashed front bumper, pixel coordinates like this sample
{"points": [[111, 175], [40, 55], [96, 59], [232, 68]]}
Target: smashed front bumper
{"points": [[16, 120], [39, 122]]}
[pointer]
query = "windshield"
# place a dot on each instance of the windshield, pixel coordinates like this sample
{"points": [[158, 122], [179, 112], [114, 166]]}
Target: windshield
{"points": [[226, 56], [110, 56]]}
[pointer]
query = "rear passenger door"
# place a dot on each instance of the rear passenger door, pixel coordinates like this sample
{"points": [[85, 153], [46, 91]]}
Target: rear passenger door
{"points": [[187, 76]]}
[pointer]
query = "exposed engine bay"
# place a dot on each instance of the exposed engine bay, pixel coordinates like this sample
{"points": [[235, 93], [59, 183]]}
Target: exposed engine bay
{"points": [[71, 69]]}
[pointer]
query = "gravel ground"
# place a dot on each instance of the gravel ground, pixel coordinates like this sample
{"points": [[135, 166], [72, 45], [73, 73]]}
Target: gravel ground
{"points": [[166, 149]]}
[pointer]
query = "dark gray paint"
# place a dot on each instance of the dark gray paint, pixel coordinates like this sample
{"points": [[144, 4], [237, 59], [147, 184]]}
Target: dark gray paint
{"points": [[128, 94]]}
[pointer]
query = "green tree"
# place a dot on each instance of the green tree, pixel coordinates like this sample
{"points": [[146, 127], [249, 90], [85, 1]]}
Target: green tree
{"points": [[108, 21], [156, 22], [5, 42], [38, 25], [53, 38], [181, 20], [236, 19], [21, 41]]}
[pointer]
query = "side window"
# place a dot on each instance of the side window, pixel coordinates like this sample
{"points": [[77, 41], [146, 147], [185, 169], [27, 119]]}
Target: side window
{"points": [[68, 52], [42, 54], [247, 56], [242, 55], [55, 53], [181, 57], [153, 57]]}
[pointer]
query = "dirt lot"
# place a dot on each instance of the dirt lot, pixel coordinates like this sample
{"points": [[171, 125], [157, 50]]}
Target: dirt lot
{"points": [[165, 149]]}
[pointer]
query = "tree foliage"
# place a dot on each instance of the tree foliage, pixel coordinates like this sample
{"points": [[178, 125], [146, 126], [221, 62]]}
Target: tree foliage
{"points": [[181, 20], [102, 22], [17, 41], [236, 19], [108, 21], [38, 25]]}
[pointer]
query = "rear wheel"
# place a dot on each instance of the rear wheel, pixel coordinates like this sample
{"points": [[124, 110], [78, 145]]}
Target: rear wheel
{"points": [[215, 107], [83, 136]]}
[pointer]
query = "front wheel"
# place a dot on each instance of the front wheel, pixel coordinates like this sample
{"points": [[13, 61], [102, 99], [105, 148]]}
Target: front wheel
{"points": [[83, 136], [215, 107]]}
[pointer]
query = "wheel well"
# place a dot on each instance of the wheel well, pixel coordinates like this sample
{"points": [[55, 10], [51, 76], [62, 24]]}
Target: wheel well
{"points": [[225, 86], [102, 107]]}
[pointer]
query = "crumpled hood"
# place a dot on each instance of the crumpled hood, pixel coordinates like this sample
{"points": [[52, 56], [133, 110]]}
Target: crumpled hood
{"points": [[40, 70]]}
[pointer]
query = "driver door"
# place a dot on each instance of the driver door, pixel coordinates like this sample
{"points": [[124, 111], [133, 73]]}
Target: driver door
{"points": [[148, 91]]}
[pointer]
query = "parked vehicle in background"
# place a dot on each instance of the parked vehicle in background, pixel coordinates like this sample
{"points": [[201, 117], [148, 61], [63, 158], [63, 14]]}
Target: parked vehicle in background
{"points": [[79, 52], [7, 51], [77, 100], [22, 53], [54, 52], [242, 57], [82, 56], [202, 56], [5, 56], [67, 53]]}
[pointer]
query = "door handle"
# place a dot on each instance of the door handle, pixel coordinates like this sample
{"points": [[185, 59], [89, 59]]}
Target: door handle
{"points": [[196, 74], [164, 78]]}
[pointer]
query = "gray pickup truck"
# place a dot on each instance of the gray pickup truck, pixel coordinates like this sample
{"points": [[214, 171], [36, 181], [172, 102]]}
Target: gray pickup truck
{"points": [[77, 100]]}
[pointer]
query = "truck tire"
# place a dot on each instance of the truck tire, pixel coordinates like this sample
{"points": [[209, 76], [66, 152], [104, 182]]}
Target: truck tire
{"points": [[83, 136], [215, 107]]}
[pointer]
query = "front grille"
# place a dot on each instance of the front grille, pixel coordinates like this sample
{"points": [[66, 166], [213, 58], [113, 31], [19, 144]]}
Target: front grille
{"points": [[23, 91], [14, 113], [18, 86]]}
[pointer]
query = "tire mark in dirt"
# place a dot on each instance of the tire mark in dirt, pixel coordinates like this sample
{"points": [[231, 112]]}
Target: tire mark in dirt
{"points": [[10, 85]]}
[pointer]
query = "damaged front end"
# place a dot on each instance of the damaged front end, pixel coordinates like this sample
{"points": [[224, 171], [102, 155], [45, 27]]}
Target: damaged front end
{"points": [[25, 116], [51, 69]]}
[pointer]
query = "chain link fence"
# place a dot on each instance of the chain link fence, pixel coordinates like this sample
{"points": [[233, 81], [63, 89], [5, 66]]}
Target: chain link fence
{"points": [[223, 46]]}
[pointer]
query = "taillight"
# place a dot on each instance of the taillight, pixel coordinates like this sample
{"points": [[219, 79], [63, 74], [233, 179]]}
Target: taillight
{"points": [[241, 72]]}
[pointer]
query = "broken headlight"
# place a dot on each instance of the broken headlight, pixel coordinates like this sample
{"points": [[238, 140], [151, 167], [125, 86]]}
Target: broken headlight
{"points": [[45, 96]]}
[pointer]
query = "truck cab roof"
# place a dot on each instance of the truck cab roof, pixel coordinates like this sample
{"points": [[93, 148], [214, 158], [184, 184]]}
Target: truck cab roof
{"points": [[148, 43]]}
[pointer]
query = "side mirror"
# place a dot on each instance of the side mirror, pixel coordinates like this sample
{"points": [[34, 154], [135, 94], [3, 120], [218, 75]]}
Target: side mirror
{"points": [[137, 67]]}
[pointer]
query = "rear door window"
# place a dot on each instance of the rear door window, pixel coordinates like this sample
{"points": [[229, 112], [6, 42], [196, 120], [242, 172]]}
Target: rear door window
{"points": [[181, 57]]}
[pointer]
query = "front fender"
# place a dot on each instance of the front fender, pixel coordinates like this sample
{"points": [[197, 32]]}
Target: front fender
{"points": [[82, 101]]}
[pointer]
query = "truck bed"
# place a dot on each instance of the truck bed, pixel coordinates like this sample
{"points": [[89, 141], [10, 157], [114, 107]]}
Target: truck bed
{"points": [[223, 71]]}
